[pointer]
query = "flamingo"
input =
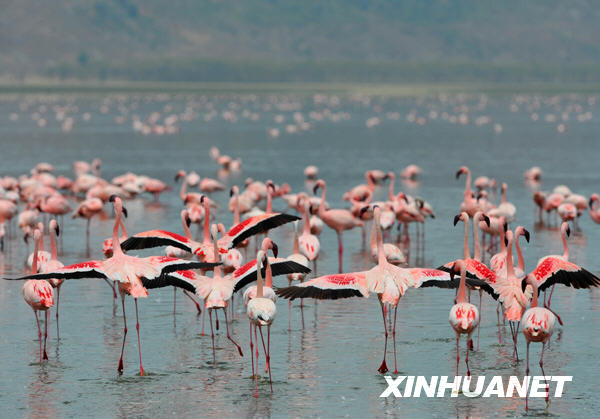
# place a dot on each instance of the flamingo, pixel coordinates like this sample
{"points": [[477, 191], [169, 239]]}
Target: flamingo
{"points": [[308, 243], [131, 273], [53, 264], [336, 219], [464, 316], [311, 172], [392, 253], [505, 209], [389, 282], [538, 326], [179, 253], [236, 235], [87, 209], [42, 255], [469, 204], [39, 295], [156, 187], [594, 210], [300, 258], [475, 268], [188, 197], [261, 311], [8, 209]]}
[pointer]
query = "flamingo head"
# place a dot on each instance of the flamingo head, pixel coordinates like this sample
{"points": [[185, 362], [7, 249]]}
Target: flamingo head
{"points": [[463, 216], [53, 225], [319, 184], [234, 190], [118, 204], [267, 244], [180, 174], [462, 171]]}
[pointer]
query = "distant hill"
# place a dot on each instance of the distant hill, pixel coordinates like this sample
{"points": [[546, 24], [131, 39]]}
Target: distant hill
{"points": [[261, 40]]}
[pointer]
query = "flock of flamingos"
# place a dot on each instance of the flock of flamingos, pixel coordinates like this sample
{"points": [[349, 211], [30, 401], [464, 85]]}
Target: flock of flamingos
{"points": [[185, 262]]}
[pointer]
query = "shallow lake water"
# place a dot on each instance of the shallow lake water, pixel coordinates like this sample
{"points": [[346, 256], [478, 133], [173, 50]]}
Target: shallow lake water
{"points": [[328, 367]]}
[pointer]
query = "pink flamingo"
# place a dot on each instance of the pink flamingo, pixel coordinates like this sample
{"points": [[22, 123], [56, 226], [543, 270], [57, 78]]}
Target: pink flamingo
{"points": [[309, 244], [594, 210], [236, 235], [389, 282], [8, 209], [464, 316], [53, 264], [336, 219], [469, 204], [156, 187], [87, 209], [131, 273], [55, 204], [187, 197], [261, 311], [39, 295], [538, 326], [42, 255], [392, 253]]}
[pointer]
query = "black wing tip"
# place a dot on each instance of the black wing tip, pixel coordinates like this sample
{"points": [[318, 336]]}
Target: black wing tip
{"points": [[293, 292]]}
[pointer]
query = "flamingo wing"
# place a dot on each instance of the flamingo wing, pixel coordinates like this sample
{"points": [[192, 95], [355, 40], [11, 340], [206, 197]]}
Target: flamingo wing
{"points": [[552, 270], [246, 274], [475, 270], [442, 278], [168, 264], [157, 238], [329, 287], [252, 226], [90, 269], [188, 280]]}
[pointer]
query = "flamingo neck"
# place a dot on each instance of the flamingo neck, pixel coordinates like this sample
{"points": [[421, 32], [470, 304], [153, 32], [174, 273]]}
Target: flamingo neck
{"points": [[53, 245], [236, 208], [268, 275], [477, 250], [466, 243], [259, 280], [391, 195], [468, 184], [188, 233], [269, 201], [521, 264], [116, 244], [534, 286], [124, 230], [370, 182], [322, 203], [565, 245], [510, 269], [502, 244], [305, 221], [35, 256], [216, 252], [461, 297], [182, 191], [380, 253], [504, 195], [206, 238]]}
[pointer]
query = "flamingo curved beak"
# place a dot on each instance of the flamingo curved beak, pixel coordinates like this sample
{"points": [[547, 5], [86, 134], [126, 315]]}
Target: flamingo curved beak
{"points": [[487, 221], [526, 234], [456, 219]]}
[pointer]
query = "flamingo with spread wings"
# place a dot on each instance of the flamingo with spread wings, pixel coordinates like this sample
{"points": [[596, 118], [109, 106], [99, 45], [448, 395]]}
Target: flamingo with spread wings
{"points": [[130, 272]]}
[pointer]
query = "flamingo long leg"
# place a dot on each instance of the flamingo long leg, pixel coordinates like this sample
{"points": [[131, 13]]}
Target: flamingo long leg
{"points": [[174, 299], [256, 375], [269, 355], [120, 367], [527, 375], [112, 287], [268, 368], [57, 305], [479, 325], [383, 367], [340, 250], [251, 349], [47, 318], [191, 297], [203, 316], [394, 339], [544, 374], [467, 362], [458, 354], [137, 327], [37, 320], [212, 335], [239, 348]]}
